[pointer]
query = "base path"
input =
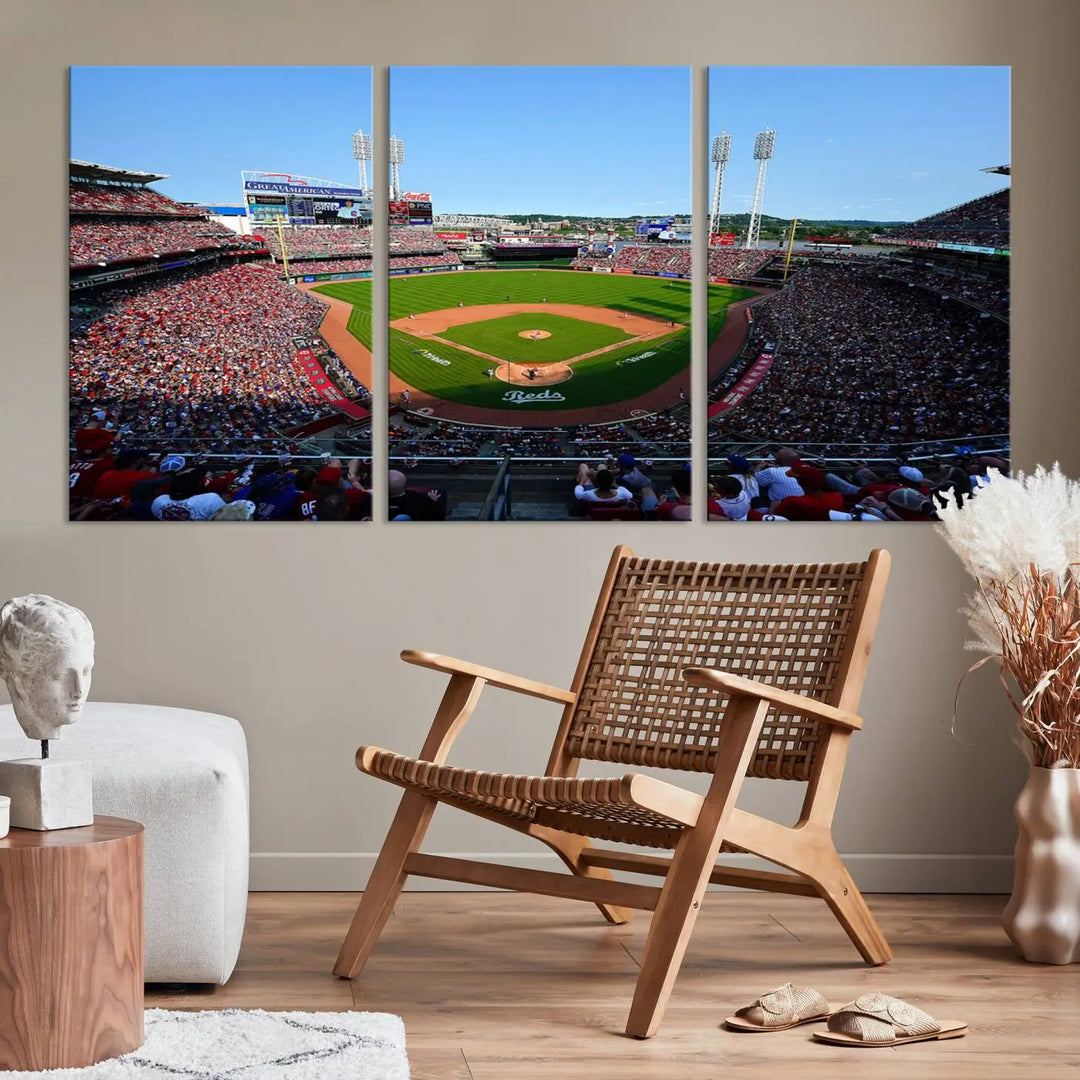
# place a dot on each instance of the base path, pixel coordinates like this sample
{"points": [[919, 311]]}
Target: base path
{"points": [[435, 322]]}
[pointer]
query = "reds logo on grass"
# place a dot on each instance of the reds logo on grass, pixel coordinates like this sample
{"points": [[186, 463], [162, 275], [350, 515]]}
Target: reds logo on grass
{"points": [[519, 397]]}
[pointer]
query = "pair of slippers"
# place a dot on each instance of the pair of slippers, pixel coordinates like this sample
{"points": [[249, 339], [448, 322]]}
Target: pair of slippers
{"points": [[869, 1020]]}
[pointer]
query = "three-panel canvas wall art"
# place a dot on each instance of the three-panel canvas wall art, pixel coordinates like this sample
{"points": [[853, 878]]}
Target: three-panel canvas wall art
{"points": [[555, 295]]}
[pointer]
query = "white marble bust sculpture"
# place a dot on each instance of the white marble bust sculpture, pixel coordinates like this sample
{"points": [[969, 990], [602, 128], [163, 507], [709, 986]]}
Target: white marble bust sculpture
{"points": [[46, 657]]}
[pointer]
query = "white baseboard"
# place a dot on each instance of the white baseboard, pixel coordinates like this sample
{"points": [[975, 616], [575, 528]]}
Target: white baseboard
{"points": [[331, 871]]}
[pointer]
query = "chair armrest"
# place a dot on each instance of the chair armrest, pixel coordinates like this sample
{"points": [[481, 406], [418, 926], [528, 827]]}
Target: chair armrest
{"points": [[506, 681], [800, 704]]}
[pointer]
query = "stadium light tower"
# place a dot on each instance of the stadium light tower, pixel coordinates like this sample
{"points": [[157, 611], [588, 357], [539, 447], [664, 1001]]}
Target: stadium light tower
{"points": [[764, 142], [361, 150], [397, 159], [721, 152]]}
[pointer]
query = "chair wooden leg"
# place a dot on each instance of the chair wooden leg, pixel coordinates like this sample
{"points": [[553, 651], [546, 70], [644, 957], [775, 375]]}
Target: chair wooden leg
{"points": [[569, 848], [387, 879], [669, 933], [680, 899], [840, 892]]}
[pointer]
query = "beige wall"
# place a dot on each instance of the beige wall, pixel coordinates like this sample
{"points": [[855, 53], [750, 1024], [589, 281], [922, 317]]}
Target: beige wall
{"points": [[295, 630]]}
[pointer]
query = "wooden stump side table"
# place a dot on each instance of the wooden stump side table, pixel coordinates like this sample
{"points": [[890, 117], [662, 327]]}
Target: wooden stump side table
{"points": [[71, 945]]}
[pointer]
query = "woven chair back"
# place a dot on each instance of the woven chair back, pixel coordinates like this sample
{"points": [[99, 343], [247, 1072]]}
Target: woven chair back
{"points": [[791, 626]]}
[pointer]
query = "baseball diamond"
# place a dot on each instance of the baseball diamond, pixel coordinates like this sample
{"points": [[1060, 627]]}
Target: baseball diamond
{"points": [[613, 344]]}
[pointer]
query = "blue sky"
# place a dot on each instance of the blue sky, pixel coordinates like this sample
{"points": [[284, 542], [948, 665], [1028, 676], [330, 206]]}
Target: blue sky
{"points": [[203, 125], [602, 140], [885, 143], [879, 143]]}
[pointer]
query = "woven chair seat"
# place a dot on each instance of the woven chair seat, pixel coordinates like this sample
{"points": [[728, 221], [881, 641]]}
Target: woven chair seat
{"points": [[598, 808]]}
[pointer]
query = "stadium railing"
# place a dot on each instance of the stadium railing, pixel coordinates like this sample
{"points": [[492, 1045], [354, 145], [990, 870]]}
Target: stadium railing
{"points": [[498, 506], [853, 454]]}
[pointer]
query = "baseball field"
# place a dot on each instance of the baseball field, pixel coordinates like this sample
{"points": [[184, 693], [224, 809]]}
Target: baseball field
{"points": [[536, 341]]}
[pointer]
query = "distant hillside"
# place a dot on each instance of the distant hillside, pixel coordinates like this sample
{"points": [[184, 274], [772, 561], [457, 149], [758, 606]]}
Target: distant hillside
{"points": [[725, 223]]}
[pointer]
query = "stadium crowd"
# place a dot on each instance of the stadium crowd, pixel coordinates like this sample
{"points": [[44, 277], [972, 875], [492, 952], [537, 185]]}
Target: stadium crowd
{"points": [[310, 240], [991, 294], [865, 359], [137, 485], [107, 241], [661, 259], [983, 222], [789, 487], [204, 359], [413, 238], [87, 197], [737, 262]]}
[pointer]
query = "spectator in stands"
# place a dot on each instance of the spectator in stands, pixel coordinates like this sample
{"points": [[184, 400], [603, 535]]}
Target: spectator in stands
{"points": [[599, 486], [776, 482], [407, 504], [131, 468], [630, 474], [731, 501], [185, 499], [273, 492], [815, 503], [743, 471], [679, 508]]}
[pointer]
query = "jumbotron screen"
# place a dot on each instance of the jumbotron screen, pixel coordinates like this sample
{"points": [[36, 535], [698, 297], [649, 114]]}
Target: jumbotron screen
{"points": [[304, 200]]}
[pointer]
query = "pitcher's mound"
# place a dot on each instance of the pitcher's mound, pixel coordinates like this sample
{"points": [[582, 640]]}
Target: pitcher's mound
{"points": [[541, 375], [536, 335]]}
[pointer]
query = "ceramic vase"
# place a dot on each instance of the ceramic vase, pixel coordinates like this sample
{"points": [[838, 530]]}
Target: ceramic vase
{"points": [[1042, 918]]}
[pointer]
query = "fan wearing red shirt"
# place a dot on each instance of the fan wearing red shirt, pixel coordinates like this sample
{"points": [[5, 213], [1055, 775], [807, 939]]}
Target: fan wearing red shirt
{"points": [[815, 503], [129, 469], [93, 439], [84, 473]]}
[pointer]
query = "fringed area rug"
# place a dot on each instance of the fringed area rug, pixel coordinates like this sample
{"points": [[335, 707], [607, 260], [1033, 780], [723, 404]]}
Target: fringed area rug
{"points": [[249, 1044]]}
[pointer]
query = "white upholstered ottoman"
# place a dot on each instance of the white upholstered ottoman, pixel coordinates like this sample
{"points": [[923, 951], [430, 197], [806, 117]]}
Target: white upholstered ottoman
{"points": [[184, 776]]}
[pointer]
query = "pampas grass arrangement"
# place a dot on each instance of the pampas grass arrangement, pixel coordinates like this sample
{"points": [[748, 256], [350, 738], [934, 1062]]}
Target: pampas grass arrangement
{"points": [[1019, 538]]}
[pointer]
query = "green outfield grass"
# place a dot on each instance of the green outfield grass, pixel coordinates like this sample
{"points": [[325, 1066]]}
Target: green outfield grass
{"points": [[501, 337], [599, 380]]}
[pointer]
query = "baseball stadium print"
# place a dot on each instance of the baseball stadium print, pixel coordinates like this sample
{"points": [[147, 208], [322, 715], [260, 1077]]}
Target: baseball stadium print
{"points": [[539, 294], [864, 373], [205, 382]]}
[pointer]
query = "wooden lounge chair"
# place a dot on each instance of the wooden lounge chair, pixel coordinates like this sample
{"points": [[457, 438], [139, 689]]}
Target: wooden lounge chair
{"points": [[725, 670]]}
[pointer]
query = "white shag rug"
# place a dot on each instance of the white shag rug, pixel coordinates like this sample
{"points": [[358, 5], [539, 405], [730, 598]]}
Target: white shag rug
{"points": [[249, 1044]]}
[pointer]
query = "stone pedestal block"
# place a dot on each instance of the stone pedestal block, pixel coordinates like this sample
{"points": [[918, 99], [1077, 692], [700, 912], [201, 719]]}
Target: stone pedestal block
{"points": [[47, 793]]}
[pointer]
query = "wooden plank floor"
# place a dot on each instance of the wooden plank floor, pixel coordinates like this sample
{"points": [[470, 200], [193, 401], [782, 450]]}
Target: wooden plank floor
{"points": [[495, 986]]}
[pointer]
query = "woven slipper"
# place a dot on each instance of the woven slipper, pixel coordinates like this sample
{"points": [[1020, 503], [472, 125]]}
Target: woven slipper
{"points": [[881, 1020], [785, 1007]]}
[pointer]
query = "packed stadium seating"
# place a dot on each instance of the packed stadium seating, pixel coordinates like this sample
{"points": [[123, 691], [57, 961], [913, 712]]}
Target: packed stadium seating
{"points": [[87, 197], [737, 262], [983, 221], [309, 240], [330, 266], [108, 241], [659, 259], [987, 294], [201, 361], [413, 238], [861, 358], [300, 267], [892, 489]]}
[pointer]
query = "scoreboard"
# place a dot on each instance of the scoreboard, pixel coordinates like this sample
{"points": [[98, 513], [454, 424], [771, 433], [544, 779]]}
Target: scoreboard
{"points": [[417, 207], [303, 200]]}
